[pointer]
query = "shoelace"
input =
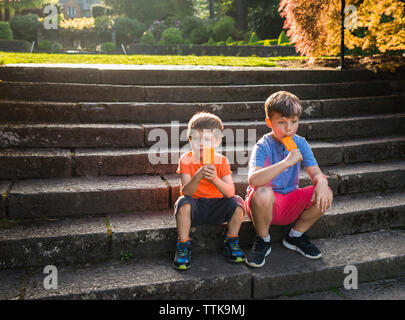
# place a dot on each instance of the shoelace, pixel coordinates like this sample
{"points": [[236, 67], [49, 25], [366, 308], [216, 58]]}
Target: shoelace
{"points": [[182, 251], [234, 244]]}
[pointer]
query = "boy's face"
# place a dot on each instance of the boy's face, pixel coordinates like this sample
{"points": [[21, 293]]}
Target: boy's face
{"points": [[282, 126], [201, 139]]}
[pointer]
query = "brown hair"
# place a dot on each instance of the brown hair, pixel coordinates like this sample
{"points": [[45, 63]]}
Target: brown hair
{"points": [[285, 103], [205, 120]]}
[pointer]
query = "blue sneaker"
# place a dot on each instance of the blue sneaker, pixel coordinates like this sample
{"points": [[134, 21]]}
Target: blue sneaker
{"points": [[182, 260], [233, 250]]}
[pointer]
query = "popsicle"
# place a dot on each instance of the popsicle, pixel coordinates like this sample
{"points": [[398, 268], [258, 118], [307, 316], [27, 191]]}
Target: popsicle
{"points": [[208, 156], [289, 143]]}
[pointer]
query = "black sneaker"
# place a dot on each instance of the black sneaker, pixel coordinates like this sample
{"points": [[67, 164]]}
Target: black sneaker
{"points": [[302, 245], [257, 255]]}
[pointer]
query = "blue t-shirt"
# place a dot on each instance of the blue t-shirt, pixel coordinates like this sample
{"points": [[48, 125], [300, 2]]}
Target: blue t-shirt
{"points": [[268, 151]]}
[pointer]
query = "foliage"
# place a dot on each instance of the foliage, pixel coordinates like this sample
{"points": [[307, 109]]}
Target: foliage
{"points": [[264, 18], [196, 30], [172, 36], [127, 29], [25, 27], [148, 11], [50, 46], [223, 28], [103, 23], [314, 26], [148, 38], [5, 31], [282, 38], [98, 10], [254, 37], [384, 23], [77, 23], [229, 40], [108, 47]]}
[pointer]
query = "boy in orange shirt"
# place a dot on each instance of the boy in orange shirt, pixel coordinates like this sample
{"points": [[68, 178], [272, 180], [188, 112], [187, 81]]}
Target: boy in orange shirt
{"points": [[207, 189]]}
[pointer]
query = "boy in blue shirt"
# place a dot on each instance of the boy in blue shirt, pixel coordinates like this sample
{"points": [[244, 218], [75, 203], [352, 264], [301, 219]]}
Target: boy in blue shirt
{"points": [[273, 196]]}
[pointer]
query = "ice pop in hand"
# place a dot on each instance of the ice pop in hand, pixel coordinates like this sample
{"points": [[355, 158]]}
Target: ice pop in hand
{"points": [[289, 143], [208, 156]]}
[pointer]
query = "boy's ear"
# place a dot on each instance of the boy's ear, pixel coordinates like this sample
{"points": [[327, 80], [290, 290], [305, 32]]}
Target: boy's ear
{"points": [[268, 122]]}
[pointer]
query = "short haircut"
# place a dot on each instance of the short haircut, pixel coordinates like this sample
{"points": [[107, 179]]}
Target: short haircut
{"points": [[285, 103], [205, 120]]}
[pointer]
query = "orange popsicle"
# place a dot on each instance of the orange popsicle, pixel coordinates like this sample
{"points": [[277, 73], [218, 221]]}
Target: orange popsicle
{"points": [[208, 156], [289, 143]]}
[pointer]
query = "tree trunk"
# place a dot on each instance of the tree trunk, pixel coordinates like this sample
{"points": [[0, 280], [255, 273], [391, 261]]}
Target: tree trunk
{"points": [[212, 11], [6, 13], [239, 14]]}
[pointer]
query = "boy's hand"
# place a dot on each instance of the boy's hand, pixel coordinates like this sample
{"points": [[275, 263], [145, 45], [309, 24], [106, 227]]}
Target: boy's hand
{"points": [[293, 157], [322, 196], [210, 172]]}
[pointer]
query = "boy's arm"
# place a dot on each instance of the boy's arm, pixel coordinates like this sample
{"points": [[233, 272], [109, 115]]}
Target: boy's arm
{"points": [[224, 185], [260, 176], [189, 184]]}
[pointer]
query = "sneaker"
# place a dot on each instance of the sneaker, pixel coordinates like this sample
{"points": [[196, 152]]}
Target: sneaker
{"points": [[257, 255], [233, 250], [302, 245], [182, 260]]}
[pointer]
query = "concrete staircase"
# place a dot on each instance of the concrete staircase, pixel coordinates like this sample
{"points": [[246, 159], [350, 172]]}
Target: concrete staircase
{"points": [[80, 189]]}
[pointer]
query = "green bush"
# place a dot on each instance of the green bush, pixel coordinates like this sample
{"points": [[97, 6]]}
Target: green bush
{"points": [[45, 45], [196, 30], [25, 27], [223, 28], [172, 36], [56, 47], [283, 39], [128, 28], [5, 31], [50, 46], [148, 38], [102, 23], [98, 10], [229, 40], [254, 37], [210, 42], [108, 47]]}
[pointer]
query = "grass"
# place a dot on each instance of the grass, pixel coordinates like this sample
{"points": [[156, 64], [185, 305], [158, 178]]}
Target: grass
{"points": [[14, 57]]}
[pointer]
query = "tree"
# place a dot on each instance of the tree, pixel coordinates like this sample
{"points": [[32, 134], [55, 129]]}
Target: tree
{"points": [[314, 26], [7, 6]]}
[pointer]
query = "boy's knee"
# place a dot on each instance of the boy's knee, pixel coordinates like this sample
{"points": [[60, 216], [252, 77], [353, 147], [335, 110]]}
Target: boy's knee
{"points": [[184, 209], [263, 197]]}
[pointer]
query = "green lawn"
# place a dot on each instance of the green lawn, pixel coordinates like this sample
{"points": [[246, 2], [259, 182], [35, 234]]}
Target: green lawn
{"points": [[7, 58]]}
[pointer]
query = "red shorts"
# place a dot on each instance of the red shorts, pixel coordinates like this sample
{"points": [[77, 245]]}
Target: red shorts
{"points": [[287, 207]]}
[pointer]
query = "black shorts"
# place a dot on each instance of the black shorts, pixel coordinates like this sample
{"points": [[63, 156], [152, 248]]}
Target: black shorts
{"points": [[210, 210]]}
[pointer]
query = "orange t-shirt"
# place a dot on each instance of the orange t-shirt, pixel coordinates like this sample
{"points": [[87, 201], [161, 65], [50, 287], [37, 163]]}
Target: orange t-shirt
{"points": [[205, 189]]}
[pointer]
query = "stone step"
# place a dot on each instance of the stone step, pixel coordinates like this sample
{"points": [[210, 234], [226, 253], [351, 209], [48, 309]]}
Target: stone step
{"points": [[176, 75], [20, 163], [376, 255], [97, 195], [153, 234], [53, 135], [345, 179], [155, 112], [73, 92], [386, 289]]}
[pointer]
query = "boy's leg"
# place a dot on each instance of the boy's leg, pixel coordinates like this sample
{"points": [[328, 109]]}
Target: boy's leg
{"points": [[182, 211], [261, 204], [296, 239], [236, 221], [261, 208], [183, 222]]}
